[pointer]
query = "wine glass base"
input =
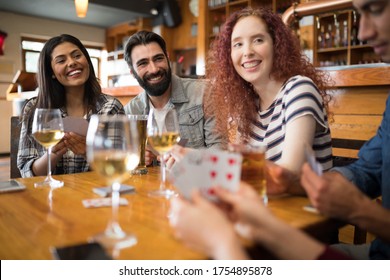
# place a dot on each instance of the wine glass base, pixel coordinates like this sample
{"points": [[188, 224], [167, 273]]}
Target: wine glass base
{"points": [[52, 183], [163, 193], [115, 241]]}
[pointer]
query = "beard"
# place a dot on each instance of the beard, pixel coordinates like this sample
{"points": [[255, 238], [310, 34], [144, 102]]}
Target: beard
{"points": [[155, 89]]}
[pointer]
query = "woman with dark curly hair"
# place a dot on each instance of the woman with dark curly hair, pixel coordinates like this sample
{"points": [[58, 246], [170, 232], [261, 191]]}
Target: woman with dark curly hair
{"points": [[265, 90], [67, 81]]}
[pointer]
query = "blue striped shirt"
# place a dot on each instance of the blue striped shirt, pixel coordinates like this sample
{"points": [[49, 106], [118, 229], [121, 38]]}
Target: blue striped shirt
{"points": [[298, 97]]}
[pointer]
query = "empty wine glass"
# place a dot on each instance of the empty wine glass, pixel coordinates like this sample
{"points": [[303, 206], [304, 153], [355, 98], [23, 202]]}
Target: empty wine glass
{"points": [[112, 150], [48, 130], [163, 133]]}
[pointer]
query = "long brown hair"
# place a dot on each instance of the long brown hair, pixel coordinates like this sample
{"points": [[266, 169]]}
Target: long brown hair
{"points": [[233, 100]]}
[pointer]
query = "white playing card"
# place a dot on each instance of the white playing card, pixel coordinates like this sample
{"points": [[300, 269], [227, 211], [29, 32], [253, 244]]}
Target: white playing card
{"points": [[188, 174], [203, 169], [311, 160], [224, 169], [102, 202]]}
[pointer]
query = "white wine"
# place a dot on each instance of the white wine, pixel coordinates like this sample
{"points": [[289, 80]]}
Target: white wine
{"points": [[114, 165], [164, 142], [48, 138]]}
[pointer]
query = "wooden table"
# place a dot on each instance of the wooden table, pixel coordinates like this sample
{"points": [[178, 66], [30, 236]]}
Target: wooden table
{"points": [[30, 224]]}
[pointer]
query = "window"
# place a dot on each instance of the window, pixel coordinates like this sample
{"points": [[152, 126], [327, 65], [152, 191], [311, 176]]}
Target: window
{"points": [[31, 47]]}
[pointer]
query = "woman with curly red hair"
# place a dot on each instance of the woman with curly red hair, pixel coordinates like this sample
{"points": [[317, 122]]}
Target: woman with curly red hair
{"points": [[265, 90]]}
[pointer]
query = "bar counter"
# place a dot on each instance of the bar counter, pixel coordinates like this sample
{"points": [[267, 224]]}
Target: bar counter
{"points": [[31, 223]]}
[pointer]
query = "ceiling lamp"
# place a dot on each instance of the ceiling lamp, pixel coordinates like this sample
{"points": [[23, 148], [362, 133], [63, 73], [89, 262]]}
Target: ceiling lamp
{"points": [[81, 7]]}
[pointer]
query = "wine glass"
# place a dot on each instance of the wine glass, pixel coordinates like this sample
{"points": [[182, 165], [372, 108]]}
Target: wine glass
{"points": [[163, 133], [48, 130], [112, 150]]}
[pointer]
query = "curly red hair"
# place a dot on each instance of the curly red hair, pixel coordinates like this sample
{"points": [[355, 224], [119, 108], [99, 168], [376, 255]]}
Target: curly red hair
{"points": [[230, 98]]}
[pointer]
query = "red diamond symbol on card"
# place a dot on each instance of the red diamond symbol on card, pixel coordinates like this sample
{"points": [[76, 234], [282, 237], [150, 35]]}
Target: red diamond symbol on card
{"points": [[232, 161], [213, 174], [214, 159], [229, 176]]}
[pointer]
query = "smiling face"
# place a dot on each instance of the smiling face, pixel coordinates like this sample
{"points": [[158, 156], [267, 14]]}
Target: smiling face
{"points": [[69, 65], [252, 50], [374, 25], [151, 68]]}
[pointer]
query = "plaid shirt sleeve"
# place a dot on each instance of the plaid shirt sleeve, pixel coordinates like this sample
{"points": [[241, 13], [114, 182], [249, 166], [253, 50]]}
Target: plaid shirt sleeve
{"points": [[29, 149]]}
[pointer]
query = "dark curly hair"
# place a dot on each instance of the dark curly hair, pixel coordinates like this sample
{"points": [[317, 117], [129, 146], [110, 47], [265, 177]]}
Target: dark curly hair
{"points": [[234, 101]]}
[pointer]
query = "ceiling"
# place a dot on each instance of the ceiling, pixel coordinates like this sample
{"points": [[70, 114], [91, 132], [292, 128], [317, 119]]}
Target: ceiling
{"points": [[101, 13]]}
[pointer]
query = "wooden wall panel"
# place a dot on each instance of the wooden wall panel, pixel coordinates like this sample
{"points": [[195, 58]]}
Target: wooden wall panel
{"points": [[359, 100]]}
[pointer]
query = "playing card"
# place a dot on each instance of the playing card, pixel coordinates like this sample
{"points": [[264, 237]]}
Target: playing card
{"points": [[106, 191], [203, 169], [188, 173], [102, 202], [224, 168], [76, 125], [311, 160]]}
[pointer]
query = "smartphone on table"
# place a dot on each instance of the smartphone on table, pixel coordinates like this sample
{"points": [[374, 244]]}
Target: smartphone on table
{"points": [[84, 251]]}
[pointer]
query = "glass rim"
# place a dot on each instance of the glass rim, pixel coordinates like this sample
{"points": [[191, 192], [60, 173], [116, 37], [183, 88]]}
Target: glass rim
{"points": [[260, 147], [137, 116]]}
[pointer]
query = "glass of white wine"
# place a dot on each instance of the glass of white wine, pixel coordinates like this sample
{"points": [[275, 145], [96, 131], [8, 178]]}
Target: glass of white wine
{"points": [[112, 150], [48, 130], [163, 133]]}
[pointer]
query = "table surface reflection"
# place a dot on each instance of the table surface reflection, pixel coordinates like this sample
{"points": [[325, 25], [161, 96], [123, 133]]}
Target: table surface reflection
{"points": [[31, 223]]}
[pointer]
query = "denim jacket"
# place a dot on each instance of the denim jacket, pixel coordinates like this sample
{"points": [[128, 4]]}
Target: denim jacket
{"points": [[371, 173], [187, 97]]}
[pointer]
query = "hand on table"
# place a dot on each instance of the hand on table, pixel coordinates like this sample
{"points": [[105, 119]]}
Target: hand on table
{"points": [[149, 156], [281, 180]]}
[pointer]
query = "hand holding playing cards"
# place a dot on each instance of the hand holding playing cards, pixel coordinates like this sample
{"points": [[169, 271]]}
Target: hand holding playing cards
{"points": [[332, 194], [214, 235]]}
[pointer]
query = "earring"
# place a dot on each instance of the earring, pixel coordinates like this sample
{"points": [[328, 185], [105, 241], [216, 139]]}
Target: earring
{"points": [[53, 77]]}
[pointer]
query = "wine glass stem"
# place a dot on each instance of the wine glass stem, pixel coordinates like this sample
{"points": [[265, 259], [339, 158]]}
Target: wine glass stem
{"points": [[115, 204], [163, 174], [49, 163]]}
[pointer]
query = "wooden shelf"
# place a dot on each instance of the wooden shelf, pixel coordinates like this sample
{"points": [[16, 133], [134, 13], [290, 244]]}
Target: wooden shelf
{"points": [[333, 29]]}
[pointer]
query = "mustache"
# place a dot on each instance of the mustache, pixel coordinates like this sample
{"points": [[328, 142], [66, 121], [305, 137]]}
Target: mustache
{"points": [[154, 75]]}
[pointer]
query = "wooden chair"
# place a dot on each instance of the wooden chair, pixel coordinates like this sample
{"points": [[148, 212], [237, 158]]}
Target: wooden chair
{"points": [[14, 145], [359, 101]]}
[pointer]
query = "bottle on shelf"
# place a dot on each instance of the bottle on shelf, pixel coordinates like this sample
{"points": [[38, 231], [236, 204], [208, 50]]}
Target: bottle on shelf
{"points": [[321, 34], [354, 30], [215, 29], [328, 37], [337, 36], [345, 33]]}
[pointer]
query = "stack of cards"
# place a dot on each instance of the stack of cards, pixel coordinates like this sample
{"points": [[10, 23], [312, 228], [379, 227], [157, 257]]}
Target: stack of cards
{"points": [[102, 202], [204, 169]]}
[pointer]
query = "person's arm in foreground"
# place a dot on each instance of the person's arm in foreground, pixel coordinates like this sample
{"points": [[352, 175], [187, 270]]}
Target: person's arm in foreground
{"points": [[216, 237], [262, 226]]}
